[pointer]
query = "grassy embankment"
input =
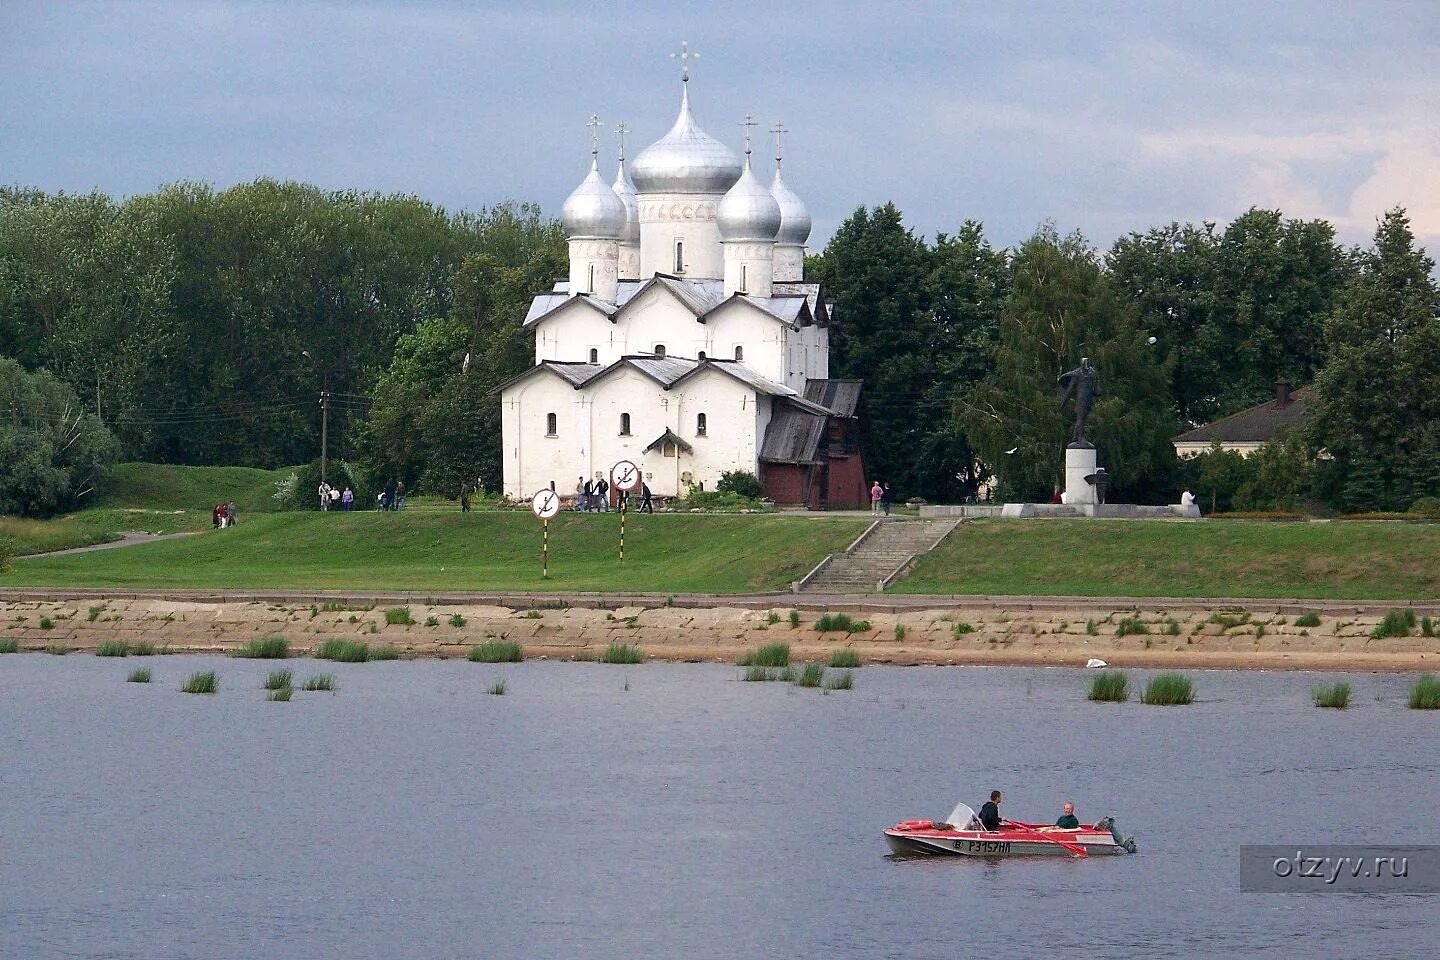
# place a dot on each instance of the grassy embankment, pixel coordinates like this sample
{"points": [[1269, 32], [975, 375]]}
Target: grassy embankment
{"points": [[453, 551], [147, 497], [1214, 558]]}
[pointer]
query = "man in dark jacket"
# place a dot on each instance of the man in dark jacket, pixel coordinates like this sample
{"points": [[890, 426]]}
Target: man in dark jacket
{"points": [[1068, 820], [989, 815]]}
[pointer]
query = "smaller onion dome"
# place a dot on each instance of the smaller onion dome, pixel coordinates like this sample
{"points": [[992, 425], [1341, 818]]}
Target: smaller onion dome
{"points": [[794, 218], [748, 211], [593, 210], [625, 190]]}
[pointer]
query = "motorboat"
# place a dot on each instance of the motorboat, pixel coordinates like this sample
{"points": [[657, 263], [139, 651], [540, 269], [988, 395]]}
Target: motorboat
{"points": [[962, 835]]}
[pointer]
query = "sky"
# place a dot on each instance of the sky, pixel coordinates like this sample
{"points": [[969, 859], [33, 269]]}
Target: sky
{"points": [[1105, 117]]}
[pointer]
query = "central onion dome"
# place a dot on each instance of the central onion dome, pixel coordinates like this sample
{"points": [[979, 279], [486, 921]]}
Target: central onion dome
{"points": [[794, 218], [748, 211], [686, 160], [593, 210], [625, 190]]}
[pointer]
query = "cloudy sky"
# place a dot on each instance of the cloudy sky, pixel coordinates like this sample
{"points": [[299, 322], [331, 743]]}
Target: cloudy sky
{"points": [[1105, 117]]}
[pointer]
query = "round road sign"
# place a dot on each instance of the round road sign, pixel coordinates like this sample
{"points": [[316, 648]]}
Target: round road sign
{"points": [[627, 475], [545, 504]]}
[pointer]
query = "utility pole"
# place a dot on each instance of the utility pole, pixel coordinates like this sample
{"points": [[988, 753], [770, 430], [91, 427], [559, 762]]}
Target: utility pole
{"points": [[324, 424]]}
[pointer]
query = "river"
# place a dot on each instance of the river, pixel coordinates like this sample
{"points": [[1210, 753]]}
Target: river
{"points": [[667, 810]]}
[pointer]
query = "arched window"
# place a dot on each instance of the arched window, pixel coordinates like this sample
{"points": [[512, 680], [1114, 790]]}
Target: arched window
{"points": [[701, 356], [624, 424], [659, 349], [594, 355], [739, 352], [549, 424], [699, 424], [679, 256], [667, 449], [590, 288], [744, 277]]}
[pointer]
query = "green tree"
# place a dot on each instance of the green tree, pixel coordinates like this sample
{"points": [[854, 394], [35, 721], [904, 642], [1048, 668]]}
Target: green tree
{"points": [[53, 452], [1377, 412], [1061, 308]]}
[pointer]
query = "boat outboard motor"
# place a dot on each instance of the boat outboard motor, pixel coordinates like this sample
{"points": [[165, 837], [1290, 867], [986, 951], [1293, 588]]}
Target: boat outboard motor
{"points": [[1125, 843]]}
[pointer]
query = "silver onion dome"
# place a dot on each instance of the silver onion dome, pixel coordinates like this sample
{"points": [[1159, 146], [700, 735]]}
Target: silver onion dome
{"points": [[686, 160], [748, 211], [794, 218], [625, 190], [593, 210]]}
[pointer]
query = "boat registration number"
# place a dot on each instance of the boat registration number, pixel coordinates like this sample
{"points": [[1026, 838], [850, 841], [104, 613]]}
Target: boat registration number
{"points": [[983, 846]]}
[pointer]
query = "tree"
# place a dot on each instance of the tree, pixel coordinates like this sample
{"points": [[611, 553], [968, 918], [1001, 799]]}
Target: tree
{"points": [[1061, 308], [1377, 409], [53, 452]]}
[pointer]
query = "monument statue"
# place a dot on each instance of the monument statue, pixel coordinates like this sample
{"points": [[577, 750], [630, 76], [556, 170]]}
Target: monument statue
{"points": [[1080, 381]]}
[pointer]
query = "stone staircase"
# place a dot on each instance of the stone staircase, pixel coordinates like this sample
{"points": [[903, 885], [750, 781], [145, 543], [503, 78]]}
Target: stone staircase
{"points": [[871, 562]]}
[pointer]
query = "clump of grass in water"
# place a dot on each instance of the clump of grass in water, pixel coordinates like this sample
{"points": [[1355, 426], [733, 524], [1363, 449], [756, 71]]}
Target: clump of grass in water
{"points": [[343, 651], [1110, 686], [142, 648], [961, 628], [280, 696], [845, 680], [770, 655], [756, 674], [795, 618], [113, 648], [139, 675], [9, 646], [1129, 625], [457, 621], [1397, 623], [267, 648], [845, 657], [622, 653], [497, 689], [279, 680], [399, 616], [1168, 689], [1310, 618], [57, 649], [321, 681], [1425, 694], [811, 675], [496, 651], [1336, 696], [384, 651], [205, 682]]}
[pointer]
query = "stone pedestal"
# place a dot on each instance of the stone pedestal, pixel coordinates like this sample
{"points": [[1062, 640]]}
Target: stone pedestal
{"points": [[1079, 464]]}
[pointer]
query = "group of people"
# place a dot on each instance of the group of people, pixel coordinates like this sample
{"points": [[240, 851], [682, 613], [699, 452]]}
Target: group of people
{"points": [[223, 515], [989, 815], [392, 497], [333, 498], [593, 496], [880, 498]]}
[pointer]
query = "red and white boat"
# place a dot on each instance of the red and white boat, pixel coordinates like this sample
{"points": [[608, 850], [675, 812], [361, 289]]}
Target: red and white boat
{"points": [[963, 836]]}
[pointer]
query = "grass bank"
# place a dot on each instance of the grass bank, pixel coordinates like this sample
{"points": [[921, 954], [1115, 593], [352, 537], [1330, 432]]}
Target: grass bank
{"points": [[454, 551], [1213, 558]]}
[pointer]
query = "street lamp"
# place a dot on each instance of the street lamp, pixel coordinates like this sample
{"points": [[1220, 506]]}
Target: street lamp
{"points": [[324, 416]]}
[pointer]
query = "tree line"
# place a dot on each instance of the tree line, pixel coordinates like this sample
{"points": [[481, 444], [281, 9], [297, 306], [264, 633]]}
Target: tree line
{"points": [[199, 326]]}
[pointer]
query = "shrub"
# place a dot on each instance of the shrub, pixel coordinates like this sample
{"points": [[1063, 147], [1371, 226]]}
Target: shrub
{"points": [[833, 622], [1310, 618], [1168, 689], [205, 682], [46, 623], [1336, 696], [9, 645], [771, 618], [399, 616], [795, 618], [278, 680], [268, 648], [1426, 507], [94, 613], [384, 651], [845, 657], [1229, 619], [1397, 623], [321, 681], [845, 680], [139, 675], [1427, 626], [113, 648], [496, 689], [770, 655], [432, 621], [961, 628], [1259, 630], [56, 452], [622, 653], [457, 621], [899, 632], [1129, 625], [1172, 627], [496, 651], [343, 651], [142, 648], [810, 675], [280, 696], [1110, 686], [743, 482], [1425, 694], [1090, 628]]}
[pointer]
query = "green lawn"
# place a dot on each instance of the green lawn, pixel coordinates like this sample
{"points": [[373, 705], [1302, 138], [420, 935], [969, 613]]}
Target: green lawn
{"points": [[454, 551], [158, 486], [1213, 558]]}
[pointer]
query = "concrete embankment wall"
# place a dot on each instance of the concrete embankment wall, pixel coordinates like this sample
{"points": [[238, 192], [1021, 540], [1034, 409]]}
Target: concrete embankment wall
{"points": [[1198, 636]]}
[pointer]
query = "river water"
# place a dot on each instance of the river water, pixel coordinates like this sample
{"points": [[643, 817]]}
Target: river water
{"points": [[410, 815]]}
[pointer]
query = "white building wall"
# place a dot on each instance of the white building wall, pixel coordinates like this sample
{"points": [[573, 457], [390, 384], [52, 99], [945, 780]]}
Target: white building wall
{"points": [[789, 262], [738, 323], [666, 218], [531, 459], [572, 331]]}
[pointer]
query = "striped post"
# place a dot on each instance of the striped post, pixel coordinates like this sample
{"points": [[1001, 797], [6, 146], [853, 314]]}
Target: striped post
{"points": [[545, 549], [624, 501]]}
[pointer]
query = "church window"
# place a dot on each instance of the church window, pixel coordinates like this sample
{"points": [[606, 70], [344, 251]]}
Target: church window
{"points": [[701, 356], [594, 355], [549, 424], [679, 256], [744, 276], [590, 287], [659, 349], [624, 424], [700, 425], [739, 352], [667, 449]]}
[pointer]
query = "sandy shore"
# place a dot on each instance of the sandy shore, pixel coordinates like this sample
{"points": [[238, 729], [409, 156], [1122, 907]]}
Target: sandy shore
{"points": [[1261, 636]]}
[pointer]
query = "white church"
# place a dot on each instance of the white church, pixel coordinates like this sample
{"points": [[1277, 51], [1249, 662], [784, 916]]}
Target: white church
{"points": [[685, 338]]}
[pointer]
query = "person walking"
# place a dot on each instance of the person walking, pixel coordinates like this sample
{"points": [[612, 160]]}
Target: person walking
{"points": [[464, 498], [230, 514], [347, 499], [400, 495], [580, 494], [589, 496], [602, 494], [646, 505], [886, 498], [324, 491], [387, 496], [875, 494]]}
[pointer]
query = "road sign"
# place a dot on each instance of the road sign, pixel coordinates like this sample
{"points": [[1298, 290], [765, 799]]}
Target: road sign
{"points": [[545, 504], [627, 476]]}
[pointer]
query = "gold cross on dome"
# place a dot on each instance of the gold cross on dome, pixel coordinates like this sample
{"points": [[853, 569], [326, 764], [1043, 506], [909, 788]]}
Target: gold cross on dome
{"points": [[594, 124], [747, 123], [779, 130], [685, 56]]}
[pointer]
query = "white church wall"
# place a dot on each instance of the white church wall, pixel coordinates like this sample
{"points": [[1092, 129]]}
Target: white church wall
{"points": [[572, 331], [531, 458], [736, 417], [738, 323], [688, 219], [656, 317]]}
